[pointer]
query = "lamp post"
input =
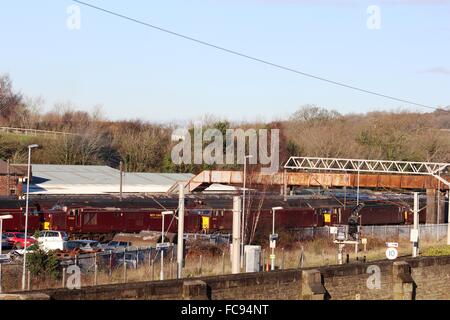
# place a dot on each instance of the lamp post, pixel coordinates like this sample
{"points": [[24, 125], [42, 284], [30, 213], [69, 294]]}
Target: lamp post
{"points": [[448, 218], [4, 217], [180, 238], [24, 271], [243, 209], [163, 214], [272, 238]]}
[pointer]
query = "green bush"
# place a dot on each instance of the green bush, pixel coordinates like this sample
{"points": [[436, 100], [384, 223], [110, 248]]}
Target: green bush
{"points": [[43, 264], [437, 251]]}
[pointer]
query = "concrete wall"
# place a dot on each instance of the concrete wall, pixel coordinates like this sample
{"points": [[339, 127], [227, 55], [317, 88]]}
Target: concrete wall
{"points": [[421, 278]]}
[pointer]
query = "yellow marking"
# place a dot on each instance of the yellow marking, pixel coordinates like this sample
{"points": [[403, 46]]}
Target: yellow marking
{"points": [[205, 223]]}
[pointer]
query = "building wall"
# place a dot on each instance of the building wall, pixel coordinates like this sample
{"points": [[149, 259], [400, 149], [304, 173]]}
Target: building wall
{"points": [[14, 185]]}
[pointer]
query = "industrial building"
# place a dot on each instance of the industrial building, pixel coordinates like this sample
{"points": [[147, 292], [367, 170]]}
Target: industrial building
{"points": [[11, 179], [92, 180]]}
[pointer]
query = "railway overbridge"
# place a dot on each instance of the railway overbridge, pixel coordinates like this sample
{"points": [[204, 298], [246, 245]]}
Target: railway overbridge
{"points": [[338, 173]]}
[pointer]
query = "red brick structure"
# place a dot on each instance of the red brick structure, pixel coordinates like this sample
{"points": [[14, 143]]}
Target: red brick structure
{"points": [[11, 179]]}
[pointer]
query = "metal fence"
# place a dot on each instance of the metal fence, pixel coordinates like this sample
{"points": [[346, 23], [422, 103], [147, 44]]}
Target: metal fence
{"points": [[401, 232], [91, 266], [33, 132], [108, 261], [214, 238]]}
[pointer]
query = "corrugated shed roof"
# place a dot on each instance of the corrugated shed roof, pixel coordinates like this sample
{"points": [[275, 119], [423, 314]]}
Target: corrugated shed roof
{"points": [[75, 179]]}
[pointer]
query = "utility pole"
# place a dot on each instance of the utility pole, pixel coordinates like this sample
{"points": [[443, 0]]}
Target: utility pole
{"points": [[3, 217], [243, 210], [448, 218], [235, 255], [272, 256], [8, 191], [273, 239], [1, 252], [161, 272], [415, 250], [24, 265], [180, 239], [121, 178], [439, 206], [357, 188]]}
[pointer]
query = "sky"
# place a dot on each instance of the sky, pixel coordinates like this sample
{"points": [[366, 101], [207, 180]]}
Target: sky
{"points": [[135, 72]]}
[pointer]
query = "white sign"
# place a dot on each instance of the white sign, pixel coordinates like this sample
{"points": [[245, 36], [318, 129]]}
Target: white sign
{"points": [[333, 230], [391, 253], [414, 237], [364, 240], [392, 244], [163, 245], [273, 244], [273, 236]]}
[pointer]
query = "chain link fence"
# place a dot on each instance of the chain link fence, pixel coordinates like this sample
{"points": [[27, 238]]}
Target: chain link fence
{"points": [[388, 232]]}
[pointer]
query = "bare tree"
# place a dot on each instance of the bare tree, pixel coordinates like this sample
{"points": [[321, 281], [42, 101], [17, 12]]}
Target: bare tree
{"points": [[12, 107]]}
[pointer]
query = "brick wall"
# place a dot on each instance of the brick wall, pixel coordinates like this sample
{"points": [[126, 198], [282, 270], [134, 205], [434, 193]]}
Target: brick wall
{"points": [[432, 277], [13, 184], [284, 285], [350, 282], [164, 290], [421, 278]]}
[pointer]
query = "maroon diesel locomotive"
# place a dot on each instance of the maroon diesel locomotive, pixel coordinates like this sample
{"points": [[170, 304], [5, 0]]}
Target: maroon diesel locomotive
{"points": [[101, 218], [17, 210]]}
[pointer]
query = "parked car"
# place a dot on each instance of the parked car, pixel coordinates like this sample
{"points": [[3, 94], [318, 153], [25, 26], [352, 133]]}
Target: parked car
{"points": [[52, 240], [17, 239], [5, 258], [130, 260], [113, 245], [83, 245], [5, 243]]}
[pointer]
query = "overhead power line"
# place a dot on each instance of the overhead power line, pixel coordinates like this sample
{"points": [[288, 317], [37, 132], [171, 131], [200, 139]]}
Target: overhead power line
{"points": [[272, 64]]}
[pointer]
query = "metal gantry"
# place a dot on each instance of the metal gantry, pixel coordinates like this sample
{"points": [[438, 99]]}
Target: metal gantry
{"points": [[365, 165], [373, 166]]}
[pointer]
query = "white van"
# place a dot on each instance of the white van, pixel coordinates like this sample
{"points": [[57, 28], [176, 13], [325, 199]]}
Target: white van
{"points": [[52, 240]]}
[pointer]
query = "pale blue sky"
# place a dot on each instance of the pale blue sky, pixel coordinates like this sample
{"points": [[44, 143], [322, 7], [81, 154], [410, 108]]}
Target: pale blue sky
{"points": [[137, 72]]}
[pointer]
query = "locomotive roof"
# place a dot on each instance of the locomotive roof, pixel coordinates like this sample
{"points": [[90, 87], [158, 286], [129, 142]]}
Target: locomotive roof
{"points": [[197, 201], [215, 201]]}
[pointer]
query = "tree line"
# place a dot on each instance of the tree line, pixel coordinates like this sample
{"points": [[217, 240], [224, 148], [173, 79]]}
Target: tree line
{"points": [[146, 147]]}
